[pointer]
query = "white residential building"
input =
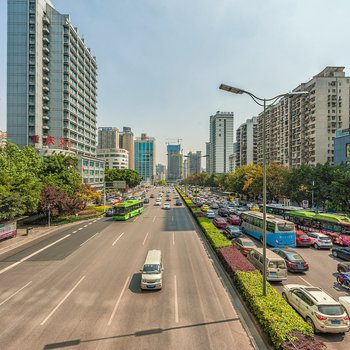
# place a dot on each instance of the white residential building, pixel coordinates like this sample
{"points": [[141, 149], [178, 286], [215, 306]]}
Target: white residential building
{"points": [[246, 141]]}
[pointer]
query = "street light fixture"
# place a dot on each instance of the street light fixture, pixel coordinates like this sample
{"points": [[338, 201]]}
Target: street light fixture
{"points": [[262, 102]]}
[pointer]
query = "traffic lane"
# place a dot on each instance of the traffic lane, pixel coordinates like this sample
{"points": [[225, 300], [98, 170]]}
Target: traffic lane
{"points": [[99, 263], [322, 273]]}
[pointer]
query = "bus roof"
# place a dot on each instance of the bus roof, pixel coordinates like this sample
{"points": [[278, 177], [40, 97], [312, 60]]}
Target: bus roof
{"points": [[303, 213], [269, 217], [332, 218], [128, 203]]}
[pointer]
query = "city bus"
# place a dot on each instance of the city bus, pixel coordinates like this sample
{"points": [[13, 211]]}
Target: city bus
{"points": [[280, 233], [280, 210], [335, 225], [128, 209]]}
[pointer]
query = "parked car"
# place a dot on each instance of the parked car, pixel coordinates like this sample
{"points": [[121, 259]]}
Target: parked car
{"points": [[320, 310], [158, 202], [166, 206], [302, 239], [294, 261], [214, 205], [320, 240], [109, 212], [199, 204], [343, 266], [220, 223], [244, 244], [146, 200], [204, 208], [210, 214], [234, 220], [178, 203], [341, 252], [223, 212], [232, 232]]}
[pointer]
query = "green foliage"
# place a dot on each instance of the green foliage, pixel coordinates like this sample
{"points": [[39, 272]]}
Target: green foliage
{"points": [[216, 239], [131, 177], [99, 208], [161, 182], [72, 218], [20, 185], [276, 317]]}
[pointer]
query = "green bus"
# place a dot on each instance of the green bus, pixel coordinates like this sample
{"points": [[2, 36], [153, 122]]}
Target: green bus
{"points": [[128, 209]]}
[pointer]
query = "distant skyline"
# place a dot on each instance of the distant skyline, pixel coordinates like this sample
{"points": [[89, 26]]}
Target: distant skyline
{"points": [[160, 63]]}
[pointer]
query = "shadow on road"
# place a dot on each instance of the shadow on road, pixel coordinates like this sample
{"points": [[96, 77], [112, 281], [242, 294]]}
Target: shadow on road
{"points": [[142, 333], [177, 219]]}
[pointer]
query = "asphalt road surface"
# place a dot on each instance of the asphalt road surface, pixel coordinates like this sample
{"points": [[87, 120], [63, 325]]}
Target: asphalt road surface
{"points": [[79, 289]]}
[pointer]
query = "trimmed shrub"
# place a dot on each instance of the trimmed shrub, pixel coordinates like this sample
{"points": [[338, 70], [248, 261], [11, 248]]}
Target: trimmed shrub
{"points": [[216, 239], [86, 212], [99, 208], [303, 342], [276, 317], [233, 260]]}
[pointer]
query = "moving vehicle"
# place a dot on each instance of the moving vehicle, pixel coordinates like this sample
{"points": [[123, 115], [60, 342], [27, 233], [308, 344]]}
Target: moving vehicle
{"points": [[204, 208], [210, 214], [166, 206], [214, 205], [345, 301], [280, 210], [151, 196], [232, 232], [128, 209], [109, 212], [294, 261], [244, 244], [334, 225], [158, 202], [146, 200], [302, 239], [343, 279], [152, 271], [234, 219], [320, 310], [341, 252], [279, 232], [276, 269], [320, 240], [178, 202], [220, 223], [343, 266], [223, 212]]}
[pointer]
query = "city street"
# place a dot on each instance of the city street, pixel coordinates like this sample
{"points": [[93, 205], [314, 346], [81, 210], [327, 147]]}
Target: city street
{"points": [[80, 289]]}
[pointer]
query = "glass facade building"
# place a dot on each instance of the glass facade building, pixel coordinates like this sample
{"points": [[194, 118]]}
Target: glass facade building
{"points": [[145, 158], [342, 147]]}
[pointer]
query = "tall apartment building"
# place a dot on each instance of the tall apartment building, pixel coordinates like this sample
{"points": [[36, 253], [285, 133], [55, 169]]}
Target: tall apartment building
{"points": [[194, 161], [145, 157], [51, 84], [246, 142], [301, 129], [175, 162], [126, 141], [160, 172], [3, 138], [108, 137], [115, 158], [207, 159], [221, 141]]}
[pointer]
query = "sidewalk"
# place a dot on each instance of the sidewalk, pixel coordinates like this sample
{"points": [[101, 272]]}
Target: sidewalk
{"points": [[37, 232]]}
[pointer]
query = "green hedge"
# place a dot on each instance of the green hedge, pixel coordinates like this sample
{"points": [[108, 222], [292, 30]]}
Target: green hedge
{"points": [[216, 239], [72, 218], [276, 317]]}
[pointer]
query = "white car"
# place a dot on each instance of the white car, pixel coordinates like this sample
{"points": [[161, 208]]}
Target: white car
{"points": [[158, 202], [320, 240], [320, 310], [166, 206], [210, 214]]}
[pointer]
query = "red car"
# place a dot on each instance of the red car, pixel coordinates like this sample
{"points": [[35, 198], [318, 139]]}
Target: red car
{"points": [[302, 239], [220, 223], [234, 220], [223, 212]]}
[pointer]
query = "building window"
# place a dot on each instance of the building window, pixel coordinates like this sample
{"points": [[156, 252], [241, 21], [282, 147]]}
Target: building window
{"points": [[348, 150]]}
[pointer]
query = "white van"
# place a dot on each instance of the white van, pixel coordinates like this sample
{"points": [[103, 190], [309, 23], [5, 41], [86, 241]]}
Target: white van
{"points": [[152, 271], [275, 265]]}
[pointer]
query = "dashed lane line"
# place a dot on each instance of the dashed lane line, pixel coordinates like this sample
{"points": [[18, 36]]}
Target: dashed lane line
{"points": [[117, 239], [89, 238], [118, 301], [12, 295]]}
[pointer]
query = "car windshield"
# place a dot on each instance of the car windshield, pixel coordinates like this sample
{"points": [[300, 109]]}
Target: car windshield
{"points": [[324, 239], [295, 257], [303, 236], [277, 264], [333, 310], [248, 244], [119, 211], [151, 268]]}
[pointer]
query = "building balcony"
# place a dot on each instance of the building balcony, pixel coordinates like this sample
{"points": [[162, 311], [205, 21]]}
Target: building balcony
{"points": [[46, 49], [46, 29], [46, 117], [46, 127], [46, 69], [46, 59], [46, 78], [46, 88], [46, 39], [46, 107], [46, 97]]}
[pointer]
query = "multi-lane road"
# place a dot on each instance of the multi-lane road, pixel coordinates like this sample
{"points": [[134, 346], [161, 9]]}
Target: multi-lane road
{"points": [[79, 289]]}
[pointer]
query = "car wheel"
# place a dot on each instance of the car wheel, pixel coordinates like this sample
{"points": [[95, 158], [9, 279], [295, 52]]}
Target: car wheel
{"points": [[311, 324], [284, 296], [334, 253], [315, 246]]}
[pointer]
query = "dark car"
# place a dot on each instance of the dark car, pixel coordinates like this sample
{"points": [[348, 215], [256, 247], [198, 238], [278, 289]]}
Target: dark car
{"points": [[109, 212], [151, 196], [178, 202], [341, 252], [223, 212], [232, 232], [146, 200], [220, 223], [294, 261], [343, 266], [168, 199], [199, 204]]}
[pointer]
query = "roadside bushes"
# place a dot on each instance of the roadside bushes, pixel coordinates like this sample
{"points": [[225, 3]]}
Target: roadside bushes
{"points": [[216, 239], [276, 317], [233, 260]]}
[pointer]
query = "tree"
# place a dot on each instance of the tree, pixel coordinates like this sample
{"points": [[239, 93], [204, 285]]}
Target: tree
{"points": [[87, 194], [131, 177], [54, 199], [20, 185], [276, 175]]}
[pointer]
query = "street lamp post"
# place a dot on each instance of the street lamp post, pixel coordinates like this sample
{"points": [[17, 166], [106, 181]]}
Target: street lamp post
{"points": [[262, 102]]}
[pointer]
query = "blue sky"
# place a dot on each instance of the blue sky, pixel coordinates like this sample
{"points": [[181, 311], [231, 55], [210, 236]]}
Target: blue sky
{"points": [[161, 61]]}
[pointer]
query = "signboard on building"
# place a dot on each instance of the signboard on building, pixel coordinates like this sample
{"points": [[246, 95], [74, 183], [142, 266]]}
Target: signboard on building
{"points": [[119, 184], [305, 203]]}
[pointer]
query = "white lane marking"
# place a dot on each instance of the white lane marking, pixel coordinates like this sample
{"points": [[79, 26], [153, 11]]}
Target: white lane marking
{"points": [[176, 304], [94, 220], [117, 239], [74, 231], [12, 295], [118, 301], [136, 218], [80, 228], [85, 225], [31, 255], [90, 223], [90, 238], [304, 280], [154, 219], [143, 243], [62, 301]]}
